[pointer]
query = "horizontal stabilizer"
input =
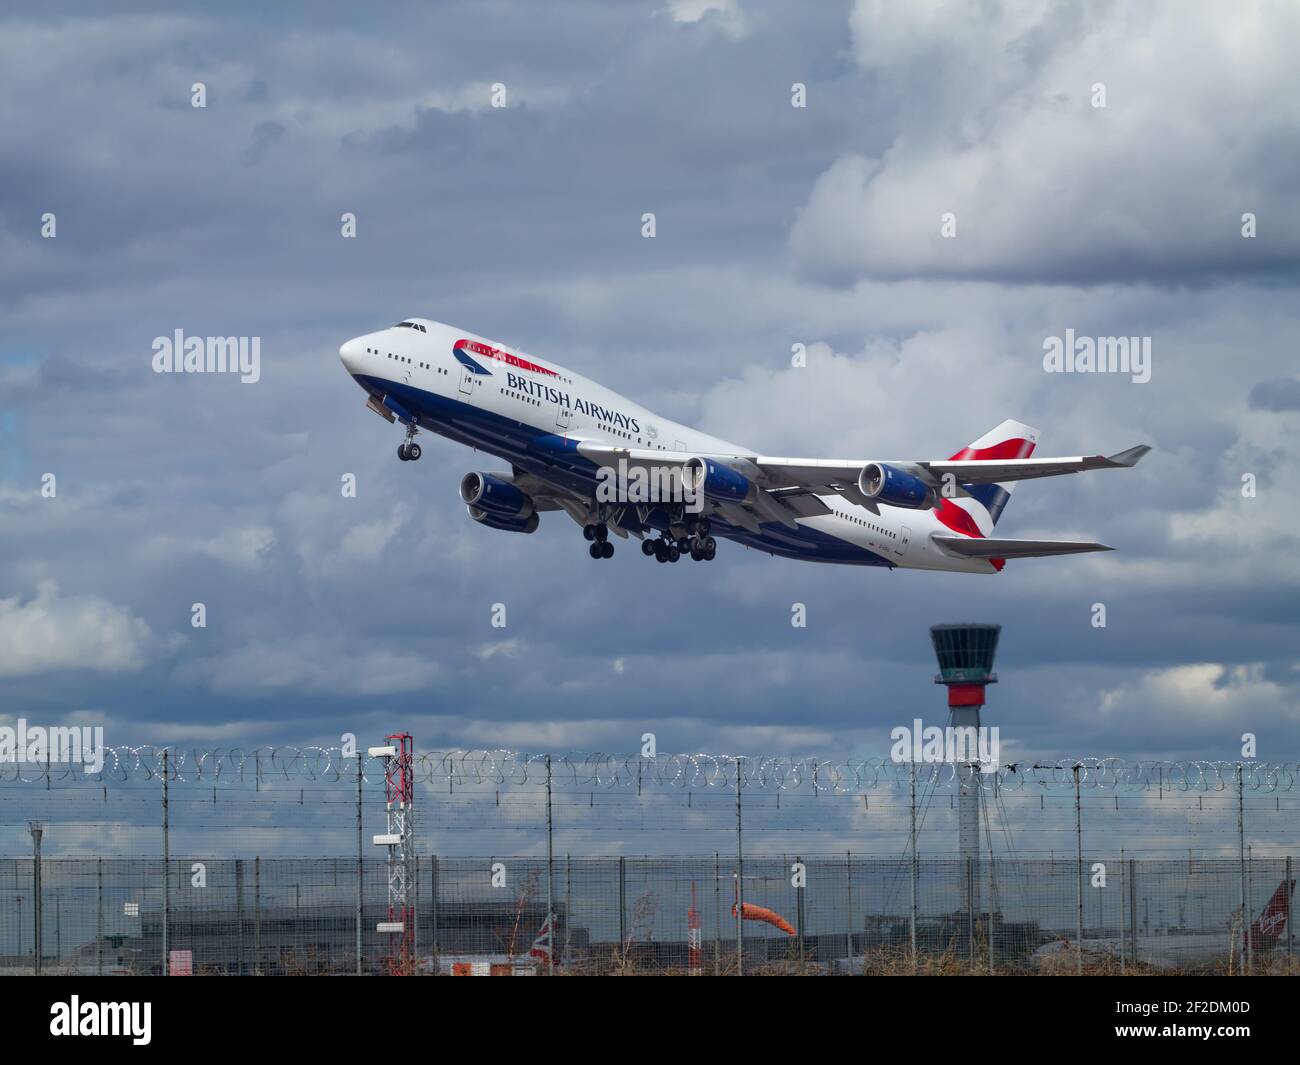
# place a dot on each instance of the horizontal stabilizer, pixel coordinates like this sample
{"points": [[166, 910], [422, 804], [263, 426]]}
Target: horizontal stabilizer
{"points": [[980, 547]]}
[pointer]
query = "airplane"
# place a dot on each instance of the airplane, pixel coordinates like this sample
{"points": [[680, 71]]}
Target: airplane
{"points": [[1183, 950], [613, 466]]}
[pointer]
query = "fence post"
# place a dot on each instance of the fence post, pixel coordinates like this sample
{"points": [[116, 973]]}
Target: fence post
{"points": [[37, 949], [848, 950], [360, 864], [740, 882], [435, 889], [717, 914], [800, 911], [1123, 883], [1247, 954], [1078, 874], [1133, 910], [568, 902], [1287, 895], [970, 910], [992, 885], [550, 877], [257, 915], [622, 905], [240, 958], [99, 917], [915, 872], [167, 877]]}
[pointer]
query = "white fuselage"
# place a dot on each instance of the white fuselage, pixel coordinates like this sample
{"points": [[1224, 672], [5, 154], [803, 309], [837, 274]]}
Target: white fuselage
{"points": [[513, 396]]}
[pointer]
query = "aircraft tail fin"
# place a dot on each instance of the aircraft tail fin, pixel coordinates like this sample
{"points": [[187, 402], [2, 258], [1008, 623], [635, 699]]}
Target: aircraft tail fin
{"points": [[985, 502], [1271, 923]]}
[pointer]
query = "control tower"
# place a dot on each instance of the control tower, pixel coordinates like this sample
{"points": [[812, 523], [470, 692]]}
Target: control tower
{"points": [[965, 654]]}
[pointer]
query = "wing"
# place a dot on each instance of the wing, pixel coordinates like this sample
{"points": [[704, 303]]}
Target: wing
{"points": [[981, 547], [829, 472]]}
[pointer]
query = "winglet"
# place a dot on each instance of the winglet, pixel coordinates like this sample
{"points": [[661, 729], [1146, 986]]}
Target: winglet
{"points": [[1131, 457]]}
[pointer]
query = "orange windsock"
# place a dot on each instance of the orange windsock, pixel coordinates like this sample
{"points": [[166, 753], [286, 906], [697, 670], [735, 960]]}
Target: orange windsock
{"points": [[750, 912]]}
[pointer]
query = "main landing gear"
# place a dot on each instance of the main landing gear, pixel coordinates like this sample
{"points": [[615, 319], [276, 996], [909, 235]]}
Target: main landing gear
{"points": [[409, 451], [700, 548], [598, 534]]}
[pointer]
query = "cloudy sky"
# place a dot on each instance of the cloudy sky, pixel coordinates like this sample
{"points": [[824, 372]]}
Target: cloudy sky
{"points": [[776, 226]]}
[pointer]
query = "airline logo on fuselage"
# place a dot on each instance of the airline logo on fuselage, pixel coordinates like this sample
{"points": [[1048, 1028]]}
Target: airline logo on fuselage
{"points": [[519, 383], [464, 350]]}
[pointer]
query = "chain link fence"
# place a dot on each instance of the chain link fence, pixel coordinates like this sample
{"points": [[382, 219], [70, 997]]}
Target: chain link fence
{"points": [[263, 862]]}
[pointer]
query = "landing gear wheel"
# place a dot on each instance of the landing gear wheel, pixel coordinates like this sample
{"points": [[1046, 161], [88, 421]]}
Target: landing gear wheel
{"points": [[710, 548], [683, 545], [595, 551], [647, 547], [697, 555], [661, 552], [589, 533], [701, 527], [412, 452], [606, 549], [601, 532], [673, 553], [401, 452]]}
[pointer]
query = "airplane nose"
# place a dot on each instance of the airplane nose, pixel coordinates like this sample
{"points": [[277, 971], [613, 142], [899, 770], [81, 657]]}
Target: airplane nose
{"points": [[351, 353]]}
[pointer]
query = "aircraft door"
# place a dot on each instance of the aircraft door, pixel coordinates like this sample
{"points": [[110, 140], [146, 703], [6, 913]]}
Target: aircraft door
{"points": [[562, 416], [466, 381], [904, 538]]}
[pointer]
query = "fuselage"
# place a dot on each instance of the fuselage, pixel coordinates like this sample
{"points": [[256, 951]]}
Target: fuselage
{"points": [[530, 412]]}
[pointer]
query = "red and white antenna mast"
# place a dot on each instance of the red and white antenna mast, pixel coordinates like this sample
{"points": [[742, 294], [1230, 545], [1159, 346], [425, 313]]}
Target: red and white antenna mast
{"points": [[399, 797]]}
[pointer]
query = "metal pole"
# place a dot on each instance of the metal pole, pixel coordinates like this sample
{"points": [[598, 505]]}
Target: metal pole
{"points": [[241, 959], [1078, 874], [1247, 957], [717, 914], [435, 890], [970, 909], [99, 916], [801, 912], [1132, 910], [1121, 915], [740, 882], [622, 905], [360, 864], [167, 880], [257, 914], [989, 929], [915, 872], [848, 951], [1286, 893], [550, 877], [568, 902], [37, 829]]}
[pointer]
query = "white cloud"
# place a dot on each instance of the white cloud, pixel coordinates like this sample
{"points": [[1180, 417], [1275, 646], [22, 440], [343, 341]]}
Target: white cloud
{"points": [[1001, 132], [314, 665], [246, 548], [1235, 698], [52, 632]]}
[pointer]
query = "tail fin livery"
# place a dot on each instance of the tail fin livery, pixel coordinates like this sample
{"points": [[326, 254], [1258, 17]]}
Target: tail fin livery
{"points": [[978, 512], [1270, 924]]}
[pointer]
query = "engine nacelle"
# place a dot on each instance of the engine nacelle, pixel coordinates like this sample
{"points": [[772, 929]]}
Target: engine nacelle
{"points": [[716, 481], [496, 496], [895, 487], [493, 521]]}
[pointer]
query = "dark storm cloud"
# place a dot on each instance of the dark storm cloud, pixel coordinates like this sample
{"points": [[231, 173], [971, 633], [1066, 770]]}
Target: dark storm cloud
{"points": [[1282, 394]]}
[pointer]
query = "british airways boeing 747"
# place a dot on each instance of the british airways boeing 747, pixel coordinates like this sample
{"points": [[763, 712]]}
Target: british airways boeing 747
{"points": [[575, 446]]}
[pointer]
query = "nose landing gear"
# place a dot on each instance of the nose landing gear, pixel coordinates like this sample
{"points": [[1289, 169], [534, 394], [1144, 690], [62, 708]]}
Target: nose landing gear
{"points": [[409, 451]]}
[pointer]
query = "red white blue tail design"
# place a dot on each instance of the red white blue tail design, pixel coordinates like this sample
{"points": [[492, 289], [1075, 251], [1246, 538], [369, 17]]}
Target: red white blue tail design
{"points": [[976, 513]]}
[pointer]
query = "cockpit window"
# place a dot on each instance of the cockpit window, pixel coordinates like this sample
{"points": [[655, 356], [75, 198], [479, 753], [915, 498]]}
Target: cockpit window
{"points": [[410, 325]]}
